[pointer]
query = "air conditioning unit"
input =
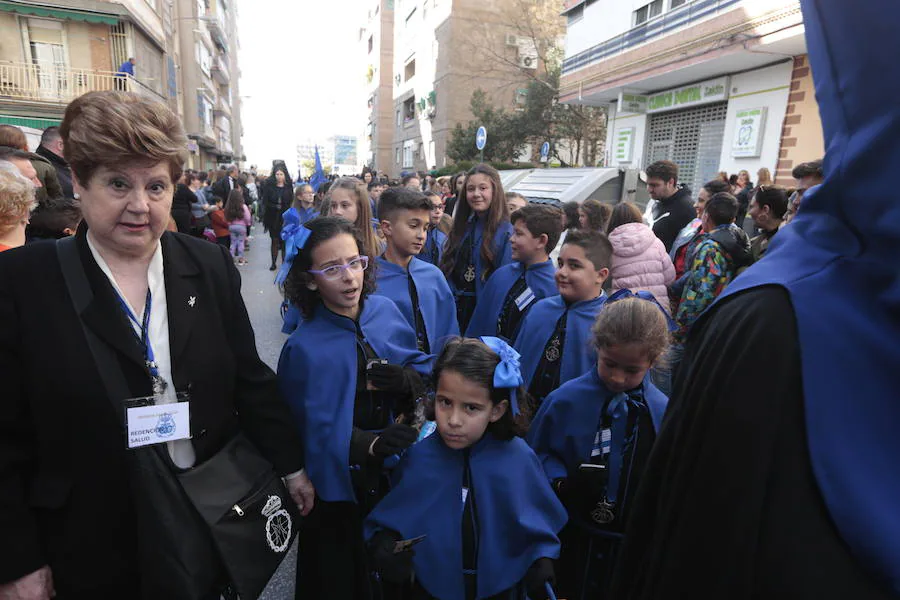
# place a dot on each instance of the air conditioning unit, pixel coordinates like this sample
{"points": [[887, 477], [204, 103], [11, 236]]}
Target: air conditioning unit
{"points": [[511, 40], [528, 61]]}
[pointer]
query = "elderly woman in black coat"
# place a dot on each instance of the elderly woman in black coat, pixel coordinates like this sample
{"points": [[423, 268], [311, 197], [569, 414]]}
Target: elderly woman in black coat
{"points": [[165, 309]]}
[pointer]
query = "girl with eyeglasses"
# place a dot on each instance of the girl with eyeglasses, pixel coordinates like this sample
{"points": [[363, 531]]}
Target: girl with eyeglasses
{"points": [[350, 374]]}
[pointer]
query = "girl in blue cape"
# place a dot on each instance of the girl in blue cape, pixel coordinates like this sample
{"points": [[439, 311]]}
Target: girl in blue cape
{"points": [[474, 490], [301, 211], [555, 336], [594, 433], [347, 373], [479, 241]]}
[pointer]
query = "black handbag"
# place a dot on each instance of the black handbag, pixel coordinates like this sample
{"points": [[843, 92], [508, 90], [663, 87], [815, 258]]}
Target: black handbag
{"points": [[227, 521]]}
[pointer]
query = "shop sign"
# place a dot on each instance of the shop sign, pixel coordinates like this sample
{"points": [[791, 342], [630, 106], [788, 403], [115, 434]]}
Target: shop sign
{"points": [[624, 144], [632, 103], [749, 125], [714, 90]]}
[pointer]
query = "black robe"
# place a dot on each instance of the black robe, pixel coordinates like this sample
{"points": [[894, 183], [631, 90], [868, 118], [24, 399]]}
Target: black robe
{"points": [[728, 507]]}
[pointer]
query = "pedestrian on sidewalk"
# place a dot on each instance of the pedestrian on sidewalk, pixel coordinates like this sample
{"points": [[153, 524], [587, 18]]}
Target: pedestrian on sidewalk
{"points": [[237, 214]]}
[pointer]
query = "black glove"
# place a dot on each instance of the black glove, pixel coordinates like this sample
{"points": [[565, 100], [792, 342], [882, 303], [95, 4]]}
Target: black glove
{"points": [[360, 442], [395, 438], [389, 378], [396, 568], [540, 572]]}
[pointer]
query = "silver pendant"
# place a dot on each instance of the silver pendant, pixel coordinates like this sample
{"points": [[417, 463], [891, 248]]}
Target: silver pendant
{"points": [[470, 274], [552, 354], [603, 513]]}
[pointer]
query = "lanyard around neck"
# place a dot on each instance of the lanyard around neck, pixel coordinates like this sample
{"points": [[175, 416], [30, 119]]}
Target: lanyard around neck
{"points": [[144, 337]]}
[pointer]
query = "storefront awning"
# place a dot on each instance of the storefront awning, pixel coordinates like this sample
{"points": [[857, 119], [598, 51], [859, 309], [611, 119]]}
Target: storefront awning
{"points": [[35, 122], [57, 13]]}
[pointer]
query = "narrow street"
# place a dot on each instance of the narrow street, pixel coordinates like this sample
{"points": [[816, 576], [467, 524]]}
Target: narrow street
{"points": [[263, 300]]}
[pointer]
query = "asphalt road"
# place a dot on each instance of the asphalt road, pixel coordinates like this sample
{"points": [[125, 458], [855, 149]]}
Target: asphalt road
{"points": [[263, 300]]}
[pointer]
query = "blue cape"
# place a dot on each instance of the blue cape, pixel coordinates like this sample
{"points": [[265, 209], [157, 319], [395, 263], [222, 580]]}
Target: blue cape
{"points": [[317, 378], [501, 246], [519, 516], [537, 327], [292, 318], [434, 247], [562, 432], [838, 262], [539, 277], [435, 298]]}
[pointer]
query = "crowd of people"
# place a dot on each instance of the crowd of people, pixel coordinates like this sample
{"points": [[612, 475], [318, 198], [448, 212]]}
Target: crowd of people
{"points": [[474, 398]]}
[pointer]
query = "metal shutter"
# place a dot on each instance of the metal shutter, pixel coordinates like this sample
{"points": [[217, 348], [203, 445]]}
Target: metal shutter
{"points": [[691, 138]]}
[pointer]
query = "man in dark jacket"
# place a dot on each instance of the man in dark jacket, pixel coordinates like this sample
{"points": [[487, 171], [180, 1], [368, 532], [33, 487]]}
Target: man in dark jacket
{"points": [[674, 206], [51, 148], [222, 188]]}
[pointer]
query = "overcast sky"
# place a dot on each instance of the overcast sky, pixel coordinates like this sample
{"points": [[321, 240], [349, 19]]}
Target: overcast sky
{"points": [[301, 74]]}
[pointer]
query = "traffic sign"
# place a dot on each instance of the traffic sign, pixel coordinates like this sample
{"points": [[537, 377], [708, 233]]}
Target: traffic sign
{"points": [[481, 138], [545, 151]]}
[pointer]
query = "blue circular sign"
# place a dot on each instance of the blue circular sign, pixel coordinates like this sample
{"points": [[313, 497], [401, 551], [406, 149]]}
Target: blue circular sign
{"points": [[481, 138], [545, 149]]}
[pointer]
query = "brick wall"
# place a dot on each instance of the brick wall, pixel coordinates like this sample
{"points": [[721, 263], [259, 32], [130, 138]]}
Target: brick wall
{"points": [[801, 133]]}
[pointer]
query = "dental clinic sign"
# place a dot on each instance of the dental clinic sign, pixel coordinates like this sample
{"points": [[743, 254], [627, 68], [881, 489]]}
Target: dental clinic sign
{"points": [[714, 90], [748, 132]]}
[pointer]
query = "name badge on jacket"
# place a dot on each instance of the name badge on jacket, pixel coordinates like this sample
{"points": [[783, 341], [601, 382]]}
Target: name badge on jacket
{"points": [[158, 423]]}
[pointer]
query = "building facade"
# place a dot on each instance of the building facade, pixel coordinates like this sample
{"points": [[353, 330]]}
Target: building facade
{"points": [[424, 59], [713, 85], [377, 40], [53, 51]]}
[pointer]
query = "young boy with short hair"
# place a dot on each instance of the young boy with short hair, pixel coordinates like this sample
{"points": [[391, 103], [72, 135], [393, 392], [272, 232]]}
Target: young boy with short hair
{"points": [[437, 239], [418, 288], [514, 289], [554, 339]]}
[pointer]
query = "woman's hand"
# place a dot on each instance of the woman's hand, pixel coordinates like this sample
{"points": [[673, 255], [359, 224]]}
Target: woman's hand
{"points": [[34, 586], [302, 492]]}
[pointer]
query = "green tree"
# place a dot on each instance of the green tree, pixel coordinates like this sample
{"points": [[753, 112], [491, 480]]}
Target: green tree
{"points": [[504, 142]]}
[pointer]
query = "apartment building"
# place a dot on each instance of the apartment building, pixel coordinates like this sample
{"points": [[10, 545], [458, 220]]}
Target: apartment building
{"points": [[424, 59], [53, 51], [377, 40], [210, 80], [714, 85]]}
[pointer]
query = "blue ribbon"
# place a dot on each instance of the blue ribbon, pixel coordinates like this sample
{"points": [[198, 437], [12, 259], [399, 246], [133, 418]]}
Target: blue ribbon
{"points": [[643, 295], [294, 237], [507, 373], [618, 413]]}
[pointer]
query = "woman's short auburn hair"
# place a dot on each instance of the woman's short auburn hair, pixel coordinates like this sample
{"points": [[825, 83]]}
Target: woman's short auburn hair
{"points": [[118, 129]]}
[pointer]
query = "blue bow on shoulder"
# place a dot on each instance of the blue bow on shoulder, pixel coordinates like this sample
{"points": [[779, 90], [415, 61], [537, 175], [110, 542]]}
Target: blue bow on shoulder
{"points": [[294, 237], [507, 373], [643, 295]]}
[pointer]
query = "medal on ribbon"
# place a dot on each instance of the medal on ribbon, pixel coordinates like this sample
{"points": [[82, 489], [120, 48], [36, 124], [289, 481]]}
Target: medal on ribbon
{"points": [[470, 273]]}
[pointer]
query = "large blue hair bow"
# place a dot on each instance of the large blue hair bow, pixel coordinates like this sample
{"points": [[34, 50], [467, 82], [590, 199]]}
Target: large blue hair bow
{"points": [[643, 295], [507, 373], [294, 236]]}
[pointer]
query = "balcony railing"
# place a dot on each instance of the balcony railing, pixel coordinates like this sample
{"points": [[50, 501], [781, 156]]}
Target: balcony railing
{"points": [[659, 26], [61, 85], [219, 71]]}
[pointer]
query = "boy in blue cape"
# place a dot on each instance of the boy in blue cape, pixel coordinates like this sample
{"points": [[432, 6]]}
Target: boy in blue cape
{"points": [[512, 290], [433, 251], [554, 338], [350, 374], [473, 493], [785, 484], [418, 289]]}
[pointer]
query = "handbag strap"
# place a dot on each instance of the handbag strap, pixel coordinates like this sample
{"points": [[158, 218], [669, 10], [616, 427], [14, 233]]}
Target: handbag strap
{"points": [[81, 295]]}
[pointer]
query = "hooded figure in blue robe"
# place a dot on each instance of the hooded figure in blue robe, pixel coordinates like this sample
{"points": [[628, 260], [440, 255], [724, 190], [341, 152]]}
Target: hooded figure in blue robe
{"points": [[495, 300], [774, 474], [561, 362], [432, 312], [518, 515]]}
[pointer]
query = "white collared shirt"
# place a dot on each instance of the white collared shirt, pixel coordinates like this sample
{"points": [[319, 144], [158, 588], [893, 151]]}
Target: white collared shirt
{"points": [[181, 451]]}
